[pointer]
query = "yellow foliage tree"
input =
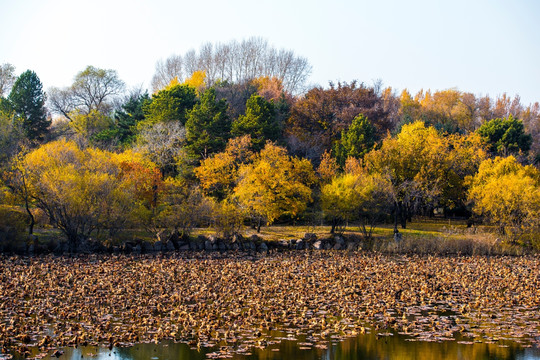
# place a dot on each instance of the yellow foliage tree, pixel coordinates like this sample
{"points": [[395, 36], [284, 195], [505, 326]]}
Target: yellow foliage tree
{"points": [[88, 125], [450, 110], [425, 168], [227, 218], [197, 80], [270, 88], [183, 207], [274, 185], [339, 200], [354, 166], [328, 168], [507, 194], [410, 108], [174, 82], [218, 174], [359, 196], [82, 190]]}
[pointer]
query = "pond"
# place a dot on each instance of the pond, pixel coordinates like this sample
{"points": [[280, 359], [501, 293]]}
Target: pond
{"points": [[366, 346], [286, 305]]}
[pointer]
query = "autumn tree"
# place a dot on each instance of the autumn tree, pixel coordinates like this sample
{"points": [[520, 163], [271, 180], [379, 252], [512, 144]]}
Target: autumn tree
{"points": [[7, 78], [227, 218], [270, 88], [508, 195], [376, 201], [462, 156], [12, 134], [236, 62], [87, 126], [178, 208], [328, 167], [85, 190], [259, 122], [27, 100], [362, 197], [163, 143], [505, 136], [424, 167], [409, 107], [16, 179], [405, 160], [218, 173], [207, 126], [504, 106], [274, 185], [197, 80], [531, 120], [318, 118], [339, 200], [449, 110], [218, 176], [93, 89]]}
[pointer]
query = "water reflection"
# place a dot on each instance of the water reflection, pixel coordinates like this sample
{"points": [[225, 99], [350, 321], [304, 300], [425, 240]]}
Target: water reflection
{"points": [[368, 346]]}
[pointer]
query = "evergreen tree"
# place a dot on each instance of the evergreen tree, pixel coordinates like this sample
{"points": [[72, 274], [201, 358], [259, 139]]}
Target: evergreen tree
{"points": [[207, 126], [358, 140], [171, 104], [505, 136], [28, 102], [259, 121], [126, 120]]}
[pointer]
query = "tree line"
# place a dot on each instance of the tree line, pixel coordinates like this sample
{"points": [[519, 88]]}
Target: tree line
{"points": [[227, 139]]}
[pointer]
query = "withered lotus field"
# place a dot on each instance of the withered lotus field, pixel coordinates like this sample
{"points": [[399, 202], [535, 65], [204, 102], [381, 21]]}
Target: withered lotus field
{"points": [[236, 300]]}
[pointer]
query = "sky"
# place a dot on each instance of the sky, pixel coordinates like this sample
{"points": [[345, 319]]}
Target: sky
{"points": [[487, 47]]}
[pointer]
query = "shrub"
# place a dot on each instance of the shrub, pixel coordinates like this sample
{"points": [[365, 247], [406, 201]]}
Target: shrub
{"points": [[13, 224]]}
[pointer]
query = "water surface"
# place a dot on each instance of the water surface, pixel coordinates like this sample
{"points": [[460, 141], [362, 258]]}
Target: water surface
{"points": [[367, 346]]}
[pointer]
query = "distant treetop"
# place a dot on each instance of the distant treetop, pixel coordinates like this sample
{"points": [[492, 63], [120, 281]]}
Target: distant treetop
{"points": [[236, 62]]}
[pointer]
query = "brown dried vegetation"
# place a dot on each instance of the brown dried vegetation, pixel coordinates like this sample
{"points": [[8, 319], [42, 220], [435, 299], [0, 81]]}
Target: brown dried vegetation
{"points": [[235, 300]]}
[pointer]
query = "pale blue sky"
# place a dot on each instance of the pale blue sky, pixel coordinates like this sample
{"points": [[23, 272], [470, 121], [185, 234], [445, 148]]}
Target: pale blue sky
{"points": [[485, 47]]}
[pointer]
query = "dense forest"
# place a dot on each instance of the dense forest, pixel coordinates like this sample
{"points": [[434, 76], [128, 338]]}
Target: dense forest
{"points": [[232, 135]]}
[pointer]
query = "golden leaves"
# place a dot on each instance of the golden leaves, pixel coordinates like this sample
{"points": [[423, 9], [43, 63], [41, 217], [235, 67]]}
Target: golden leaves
{"points": [[275, 184]]}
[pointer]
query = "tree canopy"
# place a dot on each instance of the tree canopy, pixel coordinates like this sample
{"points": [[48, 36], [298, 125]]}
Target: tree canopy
{"points": [[274, 185], [259, 122], [231, 133], [93, 89], [508, 194], [505, 136], [27, 100], [207, 126], [170, 104]]}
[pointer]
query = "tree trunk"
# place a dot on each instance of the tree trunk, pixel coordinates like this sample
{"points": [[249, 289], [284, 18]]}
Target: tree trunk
{"points": [[396, 215], [73, 240], [31, 216], [403, 216], [259, 225]]}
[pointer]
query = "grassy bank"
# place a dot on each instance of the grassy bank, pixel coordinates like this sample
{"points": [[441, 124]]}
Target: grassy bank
{"points": [[422, 236]]}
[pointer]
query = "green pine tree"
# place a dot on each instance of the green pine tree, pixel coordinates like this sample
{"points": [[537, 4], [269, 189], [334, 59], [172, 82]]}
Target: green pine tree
{"points": [[27, 100], [207, 126], [259, 121], [171, 104], [505, 136], [358, 140]]}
